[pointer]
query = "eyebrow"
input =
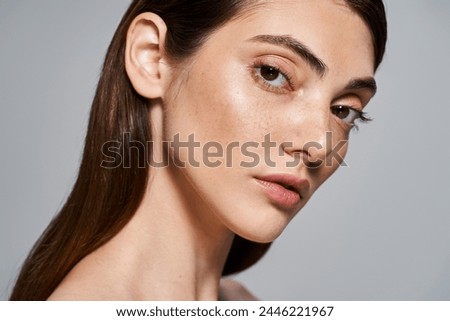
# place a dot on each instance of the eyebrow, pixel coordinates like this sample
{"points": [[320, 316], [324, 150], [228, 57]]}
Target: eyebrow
{"points": [[297, 47], [363, 83]]}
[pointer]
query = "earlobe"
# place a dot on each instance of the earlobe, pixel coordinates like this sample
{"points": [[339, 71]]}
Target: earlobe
{"points": [[144, 55]]}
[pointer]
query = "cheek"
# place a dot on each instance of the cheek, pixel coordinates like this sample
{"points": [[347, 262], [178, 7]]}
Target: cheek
{"points": [[215, 105]]}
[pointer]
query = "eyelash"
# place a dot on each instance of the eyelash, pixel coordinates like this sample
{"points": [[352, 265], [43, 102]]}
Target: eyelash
{"points": [[259, 64], [363, 118]]}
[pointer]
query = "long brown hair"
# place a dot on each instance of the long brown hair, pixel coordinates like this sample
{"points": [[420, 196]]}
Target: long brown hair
{"points": [[103, 200]]}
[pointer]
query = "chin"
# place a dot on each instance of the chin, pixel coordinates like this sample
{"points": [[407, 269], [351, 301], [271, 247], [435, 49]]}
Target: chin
{"points": [[260, 237], [264, 232]]}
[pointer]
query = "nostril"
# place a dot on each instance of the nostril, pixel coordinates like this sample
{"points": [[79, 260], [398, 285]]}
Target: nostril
{"points": [[315, 154], [313, 164], [309, 154], [288, 148]]}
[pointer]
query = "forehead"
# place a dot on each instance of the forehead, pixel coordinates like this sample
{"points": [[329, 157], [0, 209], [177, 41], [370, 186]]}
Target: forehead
{"points": [[330, 28]]}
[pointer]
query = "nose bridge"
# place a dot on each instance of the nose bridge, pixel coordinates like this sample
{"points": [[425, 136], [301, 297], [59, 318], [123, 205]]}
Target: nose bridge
{"points": [[311, 125]]}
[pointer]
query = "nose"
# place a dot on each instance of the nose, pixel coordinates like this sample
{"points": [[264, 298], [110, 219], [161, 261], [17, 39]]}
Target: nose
{"points": [[310, 137]]}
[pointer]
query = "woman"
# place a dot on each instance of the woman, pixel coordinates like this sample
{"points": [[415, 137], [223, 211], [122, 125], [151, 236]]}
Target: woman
{"points": [[213, 124]]}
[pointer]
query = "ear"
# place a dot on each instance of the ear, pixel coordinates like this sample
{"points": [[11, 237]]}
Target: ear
{"points": [[144, 55]]}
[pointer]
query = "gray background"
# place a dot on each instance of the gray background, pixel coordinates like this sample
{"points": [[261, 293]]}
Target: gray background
{"points": [[377, 230]]}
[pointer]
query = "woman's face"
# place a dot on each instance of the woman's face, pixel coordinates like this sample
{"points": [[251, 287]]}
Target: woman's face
{"points": [[267, 105]]}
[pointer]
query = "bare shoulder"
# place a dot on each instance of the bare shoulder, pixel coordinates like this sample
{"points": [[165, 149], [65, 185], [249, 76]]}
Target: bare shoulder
{"points": [[231, 290]]}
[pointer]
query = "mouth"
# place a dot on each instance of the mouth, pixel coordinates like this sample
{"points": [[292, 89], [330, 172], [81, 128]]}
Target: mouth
{"points": [[284, 190], [290, 188]]}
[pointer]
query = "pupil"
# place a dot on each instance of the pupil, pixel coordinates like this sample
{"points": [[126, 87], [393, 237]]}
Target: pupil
{"points": [[342, 112], [269, 73]]}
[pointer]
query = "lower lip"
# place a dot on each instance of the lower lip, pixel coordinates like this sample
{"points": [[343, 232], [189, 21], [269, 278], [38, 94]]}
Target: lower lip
{"points": [[280, 195]]}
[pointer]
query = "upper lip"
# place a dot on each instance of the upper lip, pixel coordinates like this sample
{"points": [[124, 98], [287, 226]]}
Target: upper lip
{"points": [[289, 181]]}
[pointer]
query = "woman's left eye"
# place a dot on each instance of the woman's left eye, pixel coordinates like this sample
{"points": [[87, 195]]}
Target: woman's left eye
{"points": [[349, 114], [272, 76]]}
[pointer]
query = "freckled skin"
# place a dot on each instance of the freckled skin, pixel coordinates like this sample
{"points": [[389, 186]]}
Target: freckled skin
{"points": [[222, 99]]}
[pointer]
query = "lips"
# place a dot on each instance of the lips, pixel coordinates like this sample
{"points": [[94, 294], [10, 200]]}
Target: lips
{"points": [[284, 190]]}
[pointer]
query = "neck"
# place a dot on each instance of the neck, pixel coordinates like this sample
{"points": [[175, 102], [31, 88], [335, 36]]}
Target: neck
{"points": [[174, 248], [181, 246]]}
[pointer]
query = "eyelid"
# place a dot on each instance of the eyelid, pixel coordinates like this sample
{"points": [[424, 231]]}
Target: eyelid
{"points": [[272, 63], [356, 98]]}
